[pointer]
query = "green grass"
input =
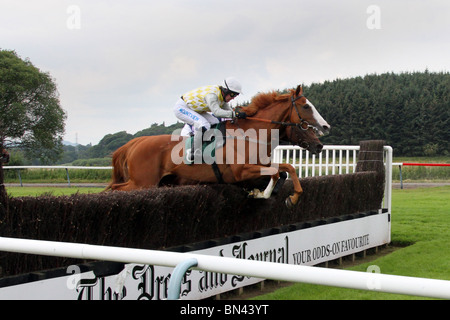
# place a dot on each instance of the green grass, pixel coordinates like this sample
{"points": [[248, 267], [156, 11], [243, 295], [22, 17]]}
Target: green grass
{"points": [[421, 218], [56, 175], [54, 191]]}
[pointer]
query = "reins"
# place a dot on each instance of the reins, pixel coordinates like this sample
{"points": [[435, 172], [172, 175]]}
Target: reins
{"points": [[304, 125]]}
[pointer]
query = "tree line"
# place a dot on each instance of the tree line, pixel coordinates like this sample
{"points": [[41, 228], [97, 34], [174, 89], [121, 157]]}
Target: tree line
{"points": [[410, 111], [111, 142], [100, 154]]}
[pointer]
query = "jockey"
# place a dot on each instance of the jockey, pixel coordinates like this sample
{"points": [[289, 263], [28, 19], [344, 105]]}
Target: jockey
{"points": [[201, 107]]}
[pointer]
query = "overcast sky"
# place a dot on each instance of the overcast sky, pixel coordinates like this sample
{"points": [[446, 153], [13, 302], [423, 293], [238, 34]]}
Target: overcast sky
{"points": [[121, 65]]}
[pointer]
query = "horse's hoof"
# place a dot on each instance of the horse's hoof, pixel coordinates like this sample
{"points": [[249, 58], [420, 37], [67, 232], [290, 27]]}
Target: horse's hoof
{"points": [[254, 194]]}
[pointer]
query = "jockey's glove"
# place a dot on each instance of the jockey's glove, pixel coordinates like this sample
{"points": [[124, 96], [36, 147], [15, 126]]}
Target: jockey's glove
{"points": [[238, 113]]}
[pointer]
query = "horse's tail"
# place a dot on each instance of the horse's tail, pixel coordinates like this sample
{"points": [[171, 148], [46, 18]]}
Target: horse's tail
{"points": [[119, 163]]}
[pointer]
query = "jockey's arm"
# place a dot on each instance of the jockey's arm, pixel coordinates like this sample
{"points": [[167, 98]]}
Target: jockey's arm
{"points": [[214, 106]]}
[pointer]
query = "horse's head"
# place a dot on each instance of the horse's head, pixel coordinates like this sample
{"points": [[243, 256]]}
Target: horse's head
{"points": [[296, 116], [304, 113]]}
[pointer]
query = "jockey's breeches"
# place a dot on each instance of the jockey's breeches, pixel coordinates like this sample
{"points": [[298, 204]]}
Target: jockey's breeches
{"points": [[193, 118]]}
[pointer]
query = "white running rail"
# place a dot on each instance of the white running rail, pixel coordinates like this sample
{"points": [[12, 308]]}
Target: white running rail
{"points": [[260, 269]]}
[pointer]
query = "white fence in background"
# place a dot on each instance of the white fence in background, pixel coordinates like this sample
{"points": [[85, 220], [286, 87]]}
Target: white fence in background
{"points": [[332, 160]]}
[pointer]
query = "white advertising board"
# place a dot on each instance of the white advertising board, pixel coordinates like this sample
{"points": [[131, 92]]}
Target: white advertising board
{"points": [[309, 246]]}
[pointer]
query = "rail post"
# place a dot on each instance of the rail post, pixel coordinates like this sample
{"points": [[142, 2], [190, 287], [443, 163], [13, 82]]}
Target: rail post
{"points": [[68, 178], [176, 277]]}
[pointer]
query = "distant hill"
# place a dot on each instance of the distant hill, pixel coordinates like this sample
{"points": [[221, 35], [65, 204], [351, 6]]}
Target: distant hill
{"points": [[68, 143], [110, 142]]}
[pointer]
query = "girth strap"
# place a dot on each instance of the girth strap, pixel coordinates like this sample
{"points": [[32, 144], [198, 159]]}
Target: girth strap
{"points": [[217, 173]]}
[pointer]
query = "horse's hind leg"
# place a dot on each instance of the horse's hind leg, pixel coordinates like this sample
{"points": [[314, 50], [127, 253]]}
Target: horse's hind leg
{"points": [[253, 171], [257, 194], [249, 172]]}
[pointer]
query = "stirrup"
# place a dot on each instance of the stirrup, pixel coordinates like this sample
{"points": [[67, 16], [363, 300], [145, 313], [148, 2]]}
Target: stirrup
{"points": [[190, 156], [197, 153]]}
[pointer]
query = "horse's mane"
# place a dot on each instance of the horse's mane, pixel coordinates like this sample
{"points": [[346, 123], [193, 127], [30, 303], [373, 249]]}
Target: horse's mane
{"points": [[262, 100]]}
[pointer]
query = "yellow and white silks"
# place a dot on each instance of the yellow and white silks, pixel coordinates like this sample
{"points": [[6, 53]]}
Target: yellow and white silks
{"points": [[202, 107]]}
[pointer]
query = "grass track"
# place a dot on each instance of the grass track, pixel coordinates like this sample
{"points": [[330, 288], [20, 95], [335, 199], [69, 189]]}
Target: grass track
{"points": [[54, 191]]}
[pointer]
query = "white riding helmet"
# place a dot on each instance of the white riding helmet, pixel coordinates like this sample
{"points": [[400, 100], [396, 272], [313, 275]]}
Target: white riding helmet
{"points": [[232, 84]]}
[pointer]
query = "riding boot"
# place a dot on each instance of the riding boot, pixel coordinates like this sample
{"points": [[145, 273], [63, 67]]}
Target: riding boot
{"points": [[195, 153]]}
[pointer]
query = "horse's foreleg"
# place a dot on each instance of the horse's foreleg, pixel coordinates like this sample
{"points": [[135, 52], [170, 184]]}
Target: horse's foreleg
{"points": [[293, 199]]}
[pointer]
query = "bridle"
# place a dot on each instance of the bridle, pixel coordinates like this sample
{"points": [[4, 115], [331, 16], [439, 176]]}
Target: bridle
{"points": [[303, 125]]}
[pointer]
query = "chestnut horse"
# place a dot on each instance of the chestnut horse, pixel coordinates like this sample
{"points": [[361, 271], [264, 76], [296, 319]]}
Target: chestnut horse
{"points": [[143, 162]]}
